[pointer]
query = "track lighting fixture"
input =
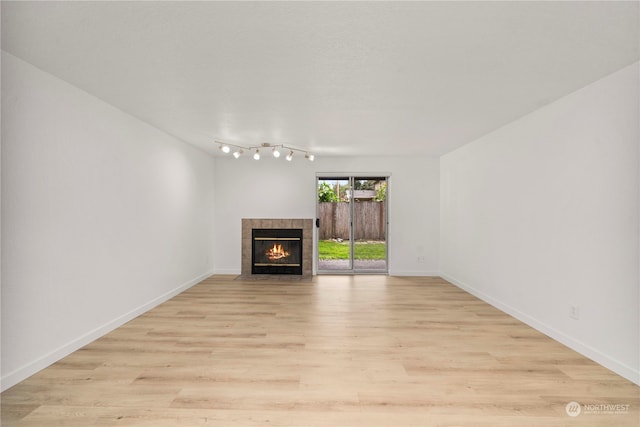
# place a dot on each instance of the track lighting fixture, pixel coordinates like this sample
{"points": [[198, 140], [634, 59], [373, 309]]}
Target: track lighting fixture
{"points": [[275, 150]]}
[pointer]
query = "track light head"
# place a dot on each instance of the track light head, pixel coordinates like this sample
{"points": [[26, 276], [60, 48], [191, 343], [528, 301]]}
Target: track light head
{"points": [[290, 155], [276, 153], [309, 157], [225, 148], [238, 153], [256, 155]]}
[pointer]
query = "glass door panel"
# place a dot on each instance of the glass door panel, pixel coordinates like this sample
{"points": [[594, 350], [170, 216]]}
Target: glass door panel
{"points": [[370, 224], [334, 225]]}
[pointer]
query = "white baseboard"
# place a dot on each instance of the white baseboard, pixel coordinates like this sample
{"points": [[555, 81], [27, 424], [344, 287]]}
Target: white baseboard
{"points": [[227, 271], [25, 371], [420, 273], [409, 273], [596, 355]]}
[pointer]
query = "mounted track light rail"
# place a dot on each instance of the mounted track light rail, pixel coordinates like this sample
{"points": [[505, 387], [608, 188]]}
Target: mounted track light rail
{"points": [[238, 150]]}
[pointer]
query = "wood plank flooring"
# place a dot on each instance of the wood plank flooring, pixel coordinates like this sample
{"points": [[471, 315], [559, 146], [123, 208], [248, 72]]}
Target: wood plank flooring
{"points": [[337, 351]]}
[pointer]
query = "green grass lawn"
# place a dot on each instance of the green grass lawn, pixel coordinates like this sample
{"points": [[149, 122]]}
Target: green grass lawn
{"points": [[328, 249]]}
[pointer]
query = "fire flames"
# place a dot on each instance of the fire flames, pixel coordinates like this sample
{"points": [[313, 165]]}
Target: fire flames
{"points": [[276, 252]]}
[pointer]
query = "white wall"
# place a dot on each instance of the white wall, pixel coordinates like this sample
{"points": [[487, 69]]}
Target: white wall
{"points": [[272, 188], [542, 215], [103, 217]]}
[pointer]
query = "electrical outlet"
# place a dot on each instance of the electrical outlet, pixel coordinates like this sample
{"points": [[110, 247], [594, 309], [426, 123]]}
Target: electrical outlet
{"points": [[574, 312], [421, 260]]}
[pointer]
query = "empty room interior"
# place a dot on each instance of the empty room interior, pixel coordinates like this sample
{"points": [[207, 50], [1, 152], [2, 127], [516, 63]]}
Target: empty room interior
{"points": [[320, 213]]}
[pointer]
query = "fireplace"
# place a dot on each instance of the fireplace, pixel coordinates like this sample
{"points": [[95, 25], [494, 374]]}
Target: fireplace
{"points": [[275, 237], [276, 251]]}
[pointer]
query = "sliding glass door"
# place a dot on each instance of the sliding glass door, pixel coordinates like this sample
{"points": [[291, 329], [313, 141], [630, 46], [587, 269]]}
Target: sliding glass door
{"points": [[352, 224]]}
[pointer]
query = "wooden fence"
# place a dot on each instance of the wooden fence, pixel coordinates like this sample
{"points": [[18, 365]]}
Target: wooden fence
{"points": [[370, 222]]}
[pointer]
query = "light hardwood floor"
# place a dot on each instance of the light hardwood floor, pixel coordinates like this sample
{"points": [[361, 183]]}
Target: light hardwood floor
{"points": [[339, 351]]}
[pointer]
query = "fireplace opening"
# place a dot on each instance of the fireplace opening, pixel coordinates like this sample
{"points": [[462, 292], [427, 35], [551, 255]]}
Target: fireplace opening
{"points": [[276, 251]]}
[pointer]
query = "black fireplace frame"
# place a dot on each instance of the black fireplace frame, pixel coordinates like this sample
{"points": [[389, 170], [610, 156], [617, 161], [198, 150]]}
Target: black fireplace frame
{"points": [[276, 234]]}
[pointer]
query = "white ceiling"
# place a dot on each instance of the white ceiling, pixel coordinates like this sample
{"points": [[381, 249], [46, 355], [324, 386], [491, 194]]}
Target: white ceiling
{"points": [[338, 78]]}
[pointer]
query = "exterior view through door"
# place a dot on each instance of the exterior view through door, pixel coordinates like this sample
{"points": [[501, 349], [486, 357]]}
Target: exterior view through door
{"points": [[352, 224]]}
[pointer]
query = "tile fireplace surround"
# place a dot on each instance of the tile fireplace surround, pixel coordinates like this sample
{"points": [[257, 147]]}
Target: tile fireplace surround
{"points": [[306, 225]]}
